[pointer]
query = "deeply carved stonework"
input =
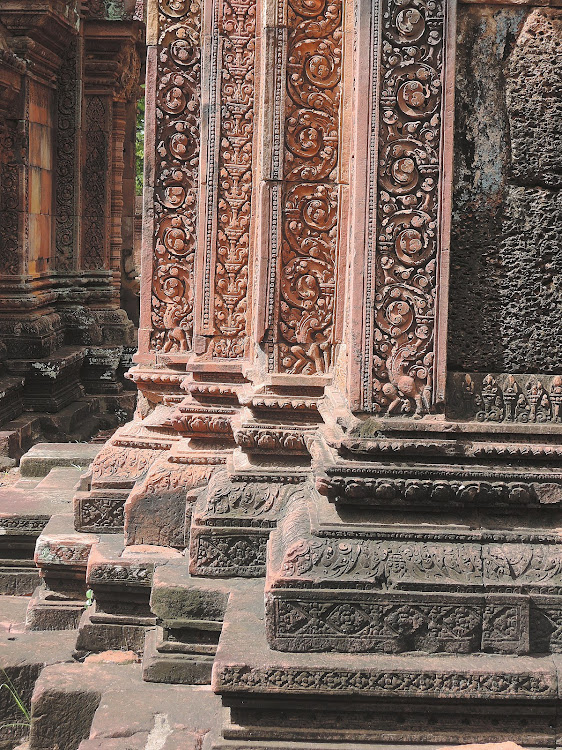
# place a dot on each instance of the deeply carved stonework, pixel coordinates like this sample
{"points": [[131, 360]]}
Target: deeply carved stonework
{"points": [[68, 123], [230, 153], [408, 229], [177, 175], [309, 203], [305, 484], [506, 398]]}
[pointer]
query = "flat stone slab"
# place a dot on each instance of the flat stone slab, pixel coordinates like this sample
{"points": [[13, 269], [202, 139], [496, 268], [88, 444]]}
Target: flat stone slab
{"points": [[12, 613], [108, 706], [40, 459]]}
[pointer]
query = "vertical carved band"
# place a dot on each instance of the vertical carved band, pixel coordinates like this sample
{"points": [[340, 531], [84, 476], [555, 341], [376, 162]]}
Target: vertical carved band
{"points": [[410, 167], [177, 174], [66, 194], [11, 251], [310, 202], [228, 226], [95, 182]]}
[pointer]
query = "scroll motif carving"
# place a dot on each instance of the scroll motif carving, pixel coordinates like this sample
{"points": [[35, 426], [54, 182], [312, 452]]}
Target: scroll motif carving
{"points": [[177, 170], [399, 564], [95, 183], [68, 92], [10, 251], [310, 200], [408, 205], [237, 27]]}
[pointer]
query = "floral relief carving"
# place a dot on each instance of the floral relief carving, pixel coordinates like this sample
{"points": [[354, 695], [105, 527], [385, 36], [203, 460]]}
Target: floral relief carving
{"points": [[377, 682], [68, 92], [409, 166], [95, 179], [177, 174], [310, 198], [10, 246]]}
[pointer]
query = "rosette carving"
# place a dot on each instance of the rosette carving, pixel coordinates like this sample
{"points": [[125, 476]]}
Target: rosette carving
{"points": [[177, 173], [408, 205], [310, 201]]}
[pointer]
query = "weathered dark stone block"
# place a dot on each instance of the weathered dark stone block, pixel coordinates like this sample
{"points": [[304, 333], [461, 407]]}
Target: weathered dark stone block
{"points": [[506, 245]]}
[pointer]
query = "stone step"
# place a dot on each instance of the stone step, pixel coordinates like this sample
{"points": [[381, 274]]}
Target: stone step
{"points": [[190, 614], [22, 657], [120, 578], [107, 706], [25, 509], [61, 554], [42, 457]]}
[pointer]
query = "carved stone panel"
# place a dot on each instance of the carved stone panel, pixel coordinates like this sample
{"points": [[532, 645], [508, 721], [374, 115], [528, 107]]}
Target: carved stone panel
{"points": [[229, 178], [307, 202], [67, 158], [95, 181], [407, 232], [176, 174]]}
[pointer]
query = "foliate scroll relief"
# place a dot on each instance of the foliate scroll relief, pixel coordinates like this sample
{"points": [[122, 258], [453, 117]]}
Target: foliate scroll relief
{"points": [[95, 182], [391, 564], [232, 205], [310, 198], [177, 173], [68, 112], [11, 254], [506, 398], [407, 239]]}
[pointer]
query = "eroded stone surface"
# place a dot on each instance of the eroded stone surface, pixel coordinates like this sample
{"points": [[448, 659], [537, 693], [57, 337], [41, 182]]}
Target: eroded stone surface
{"points": [[505, 251]]}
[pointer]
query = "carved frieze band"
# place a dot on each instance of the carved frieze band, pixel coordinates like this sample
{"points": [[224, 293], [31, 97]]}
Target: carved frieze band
{"points": [[505, 398], [401, 564], [408, 225], [394, 623], [176, 174], [306, 275], [229, 178]]}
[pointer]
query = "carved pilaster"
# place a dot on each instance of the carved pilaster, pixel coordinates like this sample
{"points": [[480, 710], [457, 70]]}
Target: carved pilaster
{"points": [[226, 223], [172, 178], [306, 202], [67, 159], [407, 207]]}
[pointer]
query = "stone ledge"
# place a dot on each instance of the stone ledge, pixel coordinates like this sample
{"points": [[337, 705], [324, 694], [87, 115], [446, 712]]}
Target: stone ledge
{"points": [[42, 457]]}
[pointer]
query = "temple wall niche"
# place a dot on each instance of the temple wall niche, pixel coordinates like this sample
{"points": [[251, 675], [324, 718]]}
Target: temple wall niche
{"points": [[506, 256]]}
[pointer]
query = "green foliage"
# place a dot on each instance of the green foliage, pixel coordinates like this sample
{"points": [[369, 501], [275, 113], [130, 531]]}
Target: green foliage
{"points": [[139, 147], [18, 700]]}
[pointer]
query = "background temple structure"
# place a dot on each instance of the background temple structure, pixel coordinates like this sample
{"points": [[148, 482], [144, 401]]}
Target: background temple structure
{"points": [[70, 76], [334, 519]]}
